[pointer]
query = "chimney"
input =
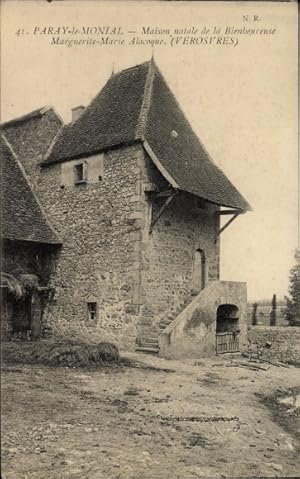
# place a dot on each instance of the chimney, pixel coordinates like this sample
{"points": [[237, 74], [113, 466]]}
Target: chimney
{"points": [[76, 112]]}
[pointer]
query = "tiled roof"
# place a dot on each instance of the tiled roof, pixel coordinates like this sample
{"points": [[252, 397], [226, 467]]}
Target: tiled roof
{"points": [[28, 116], [31, 135], [137, 105], [110, 119], [22, 217]]}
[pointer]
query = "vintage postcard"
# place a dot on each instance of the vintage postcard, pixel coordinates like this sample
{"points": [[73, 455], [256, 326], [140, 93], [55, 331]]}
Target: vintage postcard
{"points": [[150, 263]]}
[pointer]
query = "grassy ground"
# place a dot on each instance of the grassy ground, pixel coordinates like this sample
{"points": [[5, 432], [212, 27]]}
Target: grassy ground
{"points": [[151, 419]]}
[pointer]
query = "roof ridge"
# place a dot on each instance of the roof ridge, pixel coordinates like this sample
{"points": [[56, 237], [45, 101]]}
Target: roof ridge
{"points": [[23, 172], [124, 70], [28, 116], [113, 75], [52, 144], [143, 117]]}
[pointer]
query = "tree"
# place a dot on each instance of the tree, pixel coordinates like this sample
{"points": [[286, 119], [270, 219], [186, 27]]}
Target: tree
{"points": [[273, 314], [292, 312], [254, 314]]}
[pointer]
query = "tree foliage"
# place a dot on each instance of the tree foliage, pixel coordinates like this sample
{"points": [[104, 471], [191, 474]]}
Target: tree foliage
{"points": [[292, 312], [273, 314], [254, 314]]}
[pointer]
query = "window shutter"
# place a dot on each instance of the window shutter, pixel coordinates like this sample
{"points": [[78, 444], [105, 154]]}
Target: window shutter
{"points": [[75, 173]]}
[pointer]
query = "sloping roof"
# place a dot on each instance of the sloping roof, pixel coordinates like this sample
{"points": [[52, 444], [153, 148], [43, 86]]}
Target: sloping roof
{"points": [[31, 135], [137, 105], [110, 119], [22, 217], [38, 113]]}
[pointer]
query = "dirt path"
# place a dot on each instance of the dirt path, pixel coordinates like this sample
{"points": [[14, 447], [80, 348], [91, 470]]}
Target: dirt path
{"points": [[129, 422]]}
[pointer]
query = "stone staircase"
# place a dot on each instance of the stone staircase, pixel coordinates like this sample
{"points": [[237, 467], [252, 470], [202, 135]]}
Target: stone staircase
{"points": [[193, 332], [149, 342]]}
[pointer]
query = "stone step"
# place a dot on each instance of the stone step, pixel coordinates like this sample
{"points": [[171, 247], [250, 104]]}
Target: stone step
{"points": [[167, 321], [149, 341], [153, 347], [147, 331], [150, 336], [164, 325], [147, 350]]}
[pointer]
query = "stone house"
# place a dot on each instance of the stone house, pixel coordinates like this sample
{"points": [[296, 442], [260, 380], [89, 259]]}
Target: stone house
{"points": [[136, 200]]}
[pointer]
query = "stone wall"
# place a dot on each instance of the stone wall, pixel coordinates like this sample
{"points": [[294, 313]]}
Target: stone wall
{"points": [[169, 249], [172, 245], [193, 333], [31, 139], [100, 225], [278, 343]]}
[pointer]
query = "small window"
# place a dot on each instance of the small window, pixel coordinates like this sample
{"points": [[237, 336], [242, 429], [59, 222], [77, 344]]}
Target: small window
{"points": [[199, 270], [92, 311], [80, 172]]}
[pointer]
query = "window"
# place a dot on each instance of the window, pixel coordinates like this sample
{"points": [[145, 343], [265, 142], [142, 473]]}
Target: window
{"points": [[80, 173], [199, 270], [92, 311]]}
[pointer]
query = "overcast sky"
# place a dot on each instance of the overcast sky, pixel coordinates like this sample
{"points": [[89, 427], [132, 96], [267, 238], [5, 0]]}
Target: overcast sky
{"points": [[241, 101]]}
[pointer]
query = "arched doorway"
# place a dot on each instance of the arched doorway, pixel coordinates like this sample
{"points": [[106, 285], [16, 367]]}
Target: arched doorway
{"points": [[227, 329], [199, 270]]}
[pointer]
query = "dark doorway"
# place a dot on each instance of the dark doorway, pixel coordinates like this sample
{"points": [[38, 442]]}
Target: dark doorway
{"points": [[227, 329], [21, 319]]}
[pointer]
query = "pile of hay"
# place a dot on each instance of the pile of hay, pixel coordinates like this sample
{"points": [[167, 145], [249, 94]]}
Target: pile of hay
{"points": [[19, 283], [55, 353]]}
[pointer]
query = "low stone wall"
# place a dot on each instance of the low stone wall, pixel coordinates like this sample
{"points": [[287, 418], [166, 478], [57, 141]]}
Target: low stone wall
{"points": [[275, 342]]}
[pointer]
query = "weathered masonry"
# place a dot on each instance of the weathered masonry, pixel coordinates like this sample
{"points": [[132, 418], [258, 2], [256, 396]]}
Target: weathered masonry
{"points": [[137, 201], [29, 246]]}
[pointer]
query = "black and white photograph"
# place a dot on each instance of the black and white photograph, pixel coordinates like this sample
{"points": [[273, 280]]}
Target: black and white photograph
{"points": [[150, 257]]}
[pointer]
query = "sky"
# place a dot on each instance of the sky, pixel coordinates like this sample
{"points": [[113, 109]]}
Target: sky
{"points": [[241, 100]]}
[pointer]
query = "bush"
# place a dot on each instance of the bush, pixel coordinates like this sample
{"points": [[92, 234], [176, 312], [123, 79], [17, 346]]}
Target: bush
{"points": [[60, 353]]}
